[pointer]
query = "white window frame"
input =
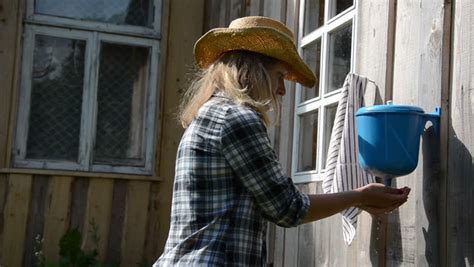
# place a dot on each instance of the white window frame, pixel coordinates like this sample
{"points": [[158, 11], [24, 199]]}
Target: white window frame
{"points": [[323, 100], [154, 32], [93, 40]]}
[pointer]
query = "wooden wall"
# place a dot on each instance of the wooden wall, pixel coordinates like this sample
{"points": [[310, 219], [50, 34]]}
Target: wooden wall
{"points": [[419, 53], [459, 180], [421, 61], [129, 214]]}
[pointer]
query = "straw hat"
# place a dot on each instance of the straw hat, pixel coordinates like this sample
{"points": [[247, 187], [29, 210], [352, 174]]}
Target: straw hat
{"points": [[256, 34]]}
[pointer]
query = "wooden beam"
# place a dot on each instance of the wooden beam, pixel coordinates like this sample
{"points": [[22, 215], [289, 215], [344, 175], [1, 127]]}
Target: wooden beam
{"points": [[459, 124], [15, 219], [80, 174], [134, 227], [391, 34], [97, 217], [10, 27], [36, 216], [56, 215]]}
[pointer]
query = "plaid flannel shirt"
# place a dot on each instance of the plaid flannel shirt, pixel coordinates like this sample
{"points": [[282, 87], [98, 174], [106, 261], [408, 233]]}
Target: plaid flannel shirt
{"points": [[228, 184]]}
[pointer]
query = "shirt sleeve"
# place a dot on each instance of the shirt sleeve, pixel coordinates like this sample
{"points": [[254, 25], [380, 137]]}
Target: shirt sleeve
{"points": [[248, 150]]}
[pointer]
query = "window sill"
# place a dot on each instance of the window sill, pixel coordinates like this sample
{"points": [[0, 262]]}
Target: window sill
{"points": [[80, 174]]}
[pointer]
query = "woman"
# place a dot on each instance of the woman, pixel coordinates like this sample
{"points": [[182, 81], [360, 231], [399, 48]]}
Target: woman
{"points": [[228, 181]]}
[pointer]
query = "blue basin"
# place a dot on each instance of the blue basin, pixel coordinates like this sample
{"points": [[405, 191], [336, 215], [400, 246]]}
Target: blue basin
{"points": [[389, 138]]}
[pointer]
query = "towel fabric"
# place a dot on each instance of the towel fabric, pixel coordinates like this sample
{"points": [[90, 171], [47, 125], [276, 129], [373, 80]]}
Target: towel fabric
{"points": [[343, 172]]}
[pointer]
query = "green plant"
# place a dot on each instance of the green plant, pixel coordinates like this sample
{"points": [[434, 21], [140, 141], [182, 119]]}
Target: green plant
{"points": [[71, 254]]}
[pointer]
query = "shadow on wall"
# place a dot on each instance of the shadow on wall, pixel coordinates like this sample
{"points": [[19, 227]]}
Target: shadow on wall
{"points": [[460, 202], [431, 195]]}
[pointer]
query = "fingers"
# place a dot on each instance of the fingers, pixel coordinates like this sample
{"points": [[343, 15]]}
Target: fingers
{"points": [[384, 198], [380, 210]]}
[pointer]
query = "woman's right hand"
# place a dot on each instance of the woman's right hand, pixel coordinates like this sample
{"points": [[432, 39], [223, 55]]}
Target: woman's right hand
{"points": [[377, 198]]}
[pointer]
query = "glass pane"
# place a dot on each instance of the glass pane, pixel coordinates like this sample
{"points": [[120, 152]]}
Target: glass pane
{"points": [[340, 5], [123, 83], [120, 12], [340, 43], [314, 15], [312, 56], [308, 140], [328, 124], [56, 98]]}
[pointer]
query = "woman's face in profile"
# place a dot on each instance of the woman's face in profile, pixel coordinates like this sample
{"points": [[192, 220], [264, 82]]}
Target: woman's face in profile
{"points": [[277, 73]]}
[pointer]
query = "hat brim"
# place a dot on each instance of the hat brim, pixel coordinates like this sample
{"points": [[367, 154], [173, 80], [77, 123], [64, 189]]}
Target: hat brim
{"points": [[266, 41]]}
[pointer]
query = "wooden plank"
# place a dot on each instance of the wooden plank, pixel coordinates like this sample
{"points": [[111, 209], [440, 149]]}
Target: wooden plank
{"points": [[367, 252], [237, 9], [97, 217], [15, 219], [80, 174], [275, 9], [418, 81], [211, 14], [10, 29], [117, 217], [391, 30], [57, 215], [184, 29], [290, 257], [153, 227], [79, 203], [134, 228], [372, 44], [321, 237], [279, 247], [255, 8], [447, 59], [36, 219], [460, 189], [306, 239], [3, 200], [270, 243]]}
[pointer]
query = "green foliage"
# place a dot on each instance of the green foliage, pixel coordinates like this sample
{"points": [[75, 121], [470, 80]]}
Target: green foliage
{"points": [[71, 254]]}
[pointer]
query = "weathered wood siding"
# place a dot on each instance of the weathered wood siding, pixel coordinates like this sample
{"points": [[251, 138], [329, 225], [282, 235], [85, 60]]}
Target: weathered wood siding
{"points": [[129, 214], [414, 231], [418, 52], [460, 170]]}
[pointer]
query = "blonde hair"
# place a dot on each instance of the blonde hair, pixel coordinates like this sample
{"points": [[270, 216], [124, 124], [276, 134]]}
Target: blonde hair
{"points": [[241, 76]]}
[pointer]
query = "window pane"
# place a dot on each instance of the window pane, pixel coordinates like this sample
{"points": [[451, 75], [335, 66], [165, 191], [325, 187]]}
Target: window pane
{"points": [[328, 124], [56, 98], [341, 5], [123, 82], [120, 12], [312, 56], [340, 43], [308, 140], [314, 15]]}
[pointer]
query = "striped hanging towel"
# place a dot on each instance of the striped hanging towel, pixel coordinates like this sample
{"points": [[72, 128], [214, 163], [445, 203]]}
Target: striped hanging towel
{"points": [[343, 172]]}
